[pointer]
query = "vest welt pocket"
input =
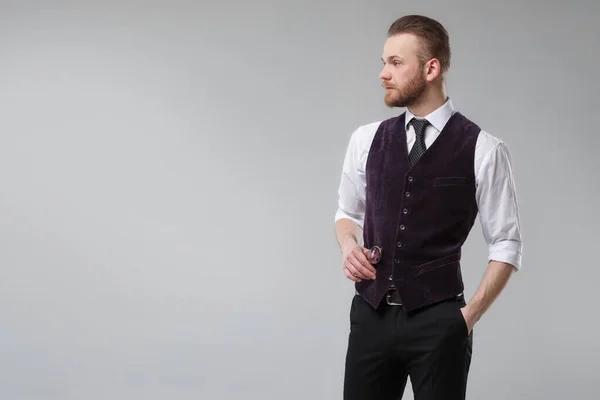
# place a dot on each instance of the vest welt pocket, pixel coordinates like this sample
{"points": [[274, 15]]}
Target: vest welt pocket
{"points": [[450, 181], [438, 263]]}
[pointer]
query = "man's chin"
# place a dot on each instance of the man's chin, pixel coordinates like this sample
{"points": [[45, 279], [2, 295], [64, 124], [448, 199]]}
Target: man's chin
{"points": [[392, 102], [389, 100]]}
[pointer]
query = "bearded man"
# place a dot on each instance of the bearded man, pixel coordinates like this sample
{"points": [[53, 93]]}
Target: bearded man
{"points": [[414, 184]]}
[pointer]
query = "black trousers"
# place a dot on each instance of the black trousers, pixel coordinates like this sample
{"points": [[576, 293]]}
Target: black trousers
{"points": [[388, 345]]}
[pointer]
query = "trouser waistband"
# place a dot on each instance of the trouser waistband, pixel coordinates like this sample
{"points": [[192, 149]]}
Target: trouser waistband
{"points": [[392, 297]]}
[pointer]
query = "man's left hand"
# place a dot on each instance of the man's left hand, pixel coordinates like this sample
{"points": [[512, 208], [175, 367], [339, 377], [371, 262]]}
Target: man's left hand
{"points": [[470, 317]]}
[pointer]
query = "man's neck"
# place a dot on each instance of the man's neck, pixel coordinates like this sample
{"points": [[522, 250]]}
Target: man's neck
{"points": [[430, 101]]}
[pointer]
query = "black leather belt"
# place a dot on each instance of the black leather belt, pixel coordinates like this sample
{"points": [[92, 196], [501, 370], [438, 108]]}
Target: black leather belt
{"points": [[392, 297]]}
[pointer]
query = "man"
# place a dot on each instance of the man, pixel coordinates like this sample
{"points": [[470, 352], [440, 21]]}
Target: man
{"points": [[415, 184]]}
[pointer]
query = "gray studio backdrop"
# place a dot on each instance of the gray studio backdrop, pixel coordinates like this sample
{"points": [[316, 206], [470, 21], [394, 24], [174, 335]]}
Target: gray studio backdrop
{"points": [[168, 179]]}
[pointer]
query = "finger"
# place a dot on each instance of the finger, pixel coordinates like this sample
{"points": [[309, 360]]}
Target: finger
{"points": [[368, 270], [350, 276], [362, 257], [365, 272], [367, 256], [353, 271], [357, 270]]}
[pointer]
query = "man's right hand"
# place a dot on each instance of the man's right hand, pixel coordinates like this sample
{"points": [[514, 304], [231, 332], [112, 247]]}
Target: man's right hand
{"points": [[356, 263]]}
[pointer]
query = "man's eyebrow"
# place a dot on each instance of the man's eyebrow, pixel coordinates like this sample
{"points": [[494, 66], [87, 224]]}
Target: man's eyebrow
{"points": [[392, 57]]}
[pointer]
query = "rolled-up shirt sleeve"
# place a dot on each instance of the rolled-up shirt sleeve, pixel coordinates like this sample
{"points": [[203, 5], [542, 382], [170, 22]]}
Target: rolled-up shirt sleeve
{"points": [[351, 190], [498, 207]]}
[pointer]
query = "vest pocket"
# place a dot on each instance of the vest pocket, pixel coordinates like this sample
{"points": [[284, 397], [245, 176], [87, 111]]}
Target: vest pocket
{"points": [[437, 263], [450, 181]]}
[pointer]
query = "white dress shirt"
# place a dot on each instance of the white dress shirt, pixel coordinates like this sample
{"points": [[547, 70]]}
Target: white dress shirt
{"points": [[495, 188]]}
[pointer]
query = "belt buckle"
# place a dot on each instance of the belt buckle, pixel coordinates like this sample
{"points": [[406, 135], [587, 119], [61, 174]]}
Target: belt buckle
{"points": [[388, 300]]}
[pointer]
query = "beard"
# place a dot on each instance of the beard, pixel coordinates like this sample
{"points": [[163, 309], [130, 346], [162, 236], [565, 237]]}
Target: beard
{"points": [[409, 95]]}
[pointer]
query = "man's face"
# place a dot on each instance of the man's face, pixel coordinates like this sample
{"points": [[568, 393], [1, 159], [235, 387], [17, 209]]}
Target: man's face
{"points": [[403, 74]]}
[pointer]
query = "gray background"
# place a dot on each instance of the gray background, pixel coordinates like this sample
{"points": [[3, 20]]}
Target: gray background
{"points": [[168, 178]]}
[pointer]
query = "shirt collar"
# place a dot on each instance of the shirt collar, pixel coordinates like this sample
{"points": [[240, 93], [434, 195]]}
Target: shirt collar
{"points": [[437, 118]]}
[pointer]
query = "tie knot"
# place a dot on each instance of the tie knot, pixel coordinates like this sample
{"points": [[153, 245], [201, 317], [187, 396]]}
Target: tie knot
{"points": [[419, 125]]}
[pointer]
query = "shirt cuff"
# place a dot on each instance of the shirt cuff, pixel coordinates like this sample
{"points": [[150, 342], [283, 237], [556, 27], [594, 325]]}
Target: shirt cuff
{"points": [[342, 214], [508, 251]]}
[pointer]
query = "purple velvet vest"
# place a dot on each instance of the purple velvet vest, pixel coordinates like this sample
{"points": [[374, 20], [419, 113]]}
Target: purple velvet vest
{"points": [[419, 216]]}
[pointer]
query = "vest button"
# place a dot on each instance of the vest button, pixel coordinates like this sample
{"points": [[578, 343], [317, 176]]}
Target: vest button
{"points": [[405, 211], [399, 244], [390, 278], [410, 179], [407, 194], [402, 227], [397, 261]]}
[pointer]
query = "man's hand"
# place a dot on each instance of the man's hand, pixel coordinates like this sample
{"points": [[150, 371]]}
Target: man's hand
{"points": [[470, 318], [356, 263], [493, 282]]}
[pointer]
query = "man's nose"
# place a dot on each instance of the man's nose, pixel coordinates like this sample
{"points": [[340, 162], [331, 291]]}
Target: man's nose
{"points": [[384, 74]]}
